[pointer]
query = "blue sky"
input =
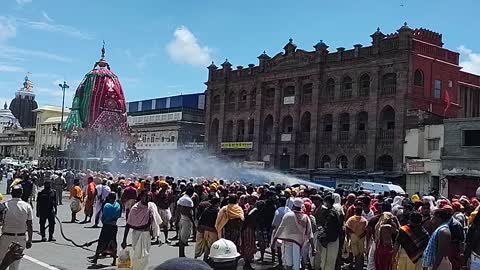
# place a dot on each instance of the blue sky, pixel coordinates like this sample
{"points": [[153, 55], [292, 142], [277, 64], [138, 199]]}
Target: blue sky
{"points": [[161, 48]]}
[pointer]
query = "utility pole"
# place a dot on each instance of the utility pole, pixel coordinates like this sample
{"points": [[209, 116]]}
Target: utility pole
{"points": [[64, 86]]}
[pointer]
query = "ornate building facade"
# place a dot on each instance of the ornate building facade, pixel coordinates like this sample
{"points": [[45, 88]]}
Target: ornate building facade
{"points": [[334, 109]]}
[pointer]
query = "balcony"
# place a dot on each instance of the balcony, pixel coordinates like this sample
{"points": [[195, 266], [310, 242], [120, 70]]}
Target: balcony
{"points": [[346, 94], [307, 99], [326, 137], [343, 135], [386, 136], [361, 137], [304, 137], [388, 90]]}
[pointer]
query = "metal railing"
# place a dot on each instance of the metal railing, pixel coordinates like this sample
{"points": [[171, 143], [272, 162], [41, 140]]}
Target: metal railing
{"points": [[388, 90], [386, 135], [361, 137]]}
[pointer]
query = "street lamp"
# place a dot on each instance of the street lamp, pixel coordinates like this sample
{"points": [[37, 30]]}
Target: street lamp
{"points": [[64, 86]]}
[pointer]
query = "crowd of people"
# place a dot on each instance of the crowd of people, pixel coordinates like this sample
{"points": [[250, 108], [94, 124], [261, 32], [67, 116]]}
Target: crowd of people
{"points": [[231, 222]]}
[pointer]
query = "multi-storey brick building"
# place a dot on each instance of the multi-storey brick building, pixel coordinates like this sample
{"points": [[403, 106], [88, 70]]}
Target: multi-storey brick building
{"points": [[344, 109]]}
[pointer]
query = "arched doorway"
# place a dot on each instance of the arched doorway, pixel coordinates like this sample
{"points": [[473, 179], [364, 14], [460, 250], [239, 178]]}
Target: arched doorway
{"points": [[385, 163], [303, 161], [325, 162], [360, 163], [342, 162]]}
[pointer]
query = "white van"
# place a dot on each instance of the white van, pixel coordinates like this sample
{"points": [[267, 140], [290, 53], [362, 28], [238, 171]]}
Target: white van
{"points": [[380, 188]]}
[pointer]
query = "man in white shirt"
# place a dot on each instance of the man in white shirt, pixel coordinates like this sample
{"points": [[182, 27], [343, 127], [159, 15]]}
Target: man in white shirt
{"points": [[9, 179], [16, 216], [186, 223], [101, 194]]}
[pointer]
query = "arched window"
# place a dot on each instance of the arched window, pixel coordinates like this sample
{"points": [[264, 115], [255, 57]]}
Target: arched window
{"points": [[269, 97], [385, 163], [347, 85], [364, 86], [287, 125], [330, 89], [289, 95], [303, 161], [268, 129], [327, 128], [362, 127], [253, 99], [418, 78], [213, 135], [360, 163], [342, 162], [387, 124], [240, 130], [242, 100], [344, 126], [307, 93], [389, 84], [251, 129], [325, 162], [231, 102], [305, 124], [229, 131], [216, 103]]}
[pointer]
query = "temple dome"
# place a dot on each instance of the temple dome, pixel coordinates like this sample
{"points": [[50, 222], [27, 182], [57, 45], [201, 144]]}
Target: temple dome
{"points": [[23, 104], [7, 119]]}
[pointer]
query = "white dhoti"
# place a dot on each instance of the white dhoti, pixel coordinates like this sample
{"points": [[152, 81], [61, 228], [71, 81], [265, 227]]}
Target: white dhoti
{"points": [[157, 220], [166, 215], [141, 249], [5, 241], [371, 257], [291, 255], [185, 229]]}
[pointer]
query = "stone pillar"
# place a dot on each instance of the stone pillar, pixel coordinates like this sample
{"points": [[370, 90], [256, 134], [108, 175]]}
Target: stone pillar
{"points": [[258, 124], [296, 118], [373, 118], [314, 125], [276, 122]]}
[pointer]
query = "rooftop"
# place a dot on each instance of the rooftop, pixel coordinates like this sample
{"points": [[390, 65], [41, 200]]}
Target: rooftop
{"points": [[51, 108]]}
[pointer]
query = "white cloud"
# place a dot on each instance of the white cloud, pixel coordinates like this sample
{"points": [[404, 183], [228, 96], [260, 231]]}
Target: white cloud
{"points": [[22, 2], [470, 61], [142, 60], [185, 49], [48, 26], [24, 53], [10, 68], [46, 17], [7, 29]]}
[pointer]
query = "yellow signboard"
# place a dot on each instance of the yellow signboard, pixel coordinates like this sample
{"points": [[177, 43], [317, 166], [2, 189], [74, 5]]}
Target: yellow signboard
{"points": [[237, 145]]}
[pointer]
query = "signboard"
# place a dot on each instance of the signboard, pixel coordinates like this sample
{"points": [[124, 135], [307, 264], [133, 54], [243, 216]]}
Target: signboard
{"points": [[194, 145], [253, 164], [156, 145], [286, 137], [289, 100], [415, 166], [237, 145]]}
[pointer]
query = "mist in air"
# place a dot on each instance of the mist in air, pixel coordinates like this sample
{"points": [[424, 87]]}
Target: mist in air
{"points": [[190, 164]]}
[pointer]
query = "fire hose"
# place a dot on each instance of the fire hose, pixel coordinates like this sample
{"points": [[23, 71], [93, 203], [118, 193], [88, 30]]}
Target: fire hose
{"points": [[83, 246]]}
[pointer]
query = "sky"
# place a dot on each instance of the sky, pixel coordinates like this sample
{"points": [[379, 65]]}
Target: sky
{"points": [[161, 48]]}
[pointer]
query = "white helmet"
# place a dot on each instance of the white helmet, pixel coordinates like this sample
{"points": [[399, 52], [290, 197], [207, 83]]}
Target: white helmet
{"points": [[223, 250]]}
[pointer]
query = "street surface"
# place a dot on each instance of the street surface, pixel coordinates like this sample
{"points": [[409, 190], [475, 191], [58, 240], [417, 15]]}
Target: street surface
{"points": [[65, 256]]}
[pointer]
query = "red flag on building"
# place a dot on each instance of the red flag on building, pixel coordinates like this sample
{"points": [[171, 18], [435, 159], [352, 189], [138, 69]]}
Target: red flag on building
{"points": [[448, 102]]}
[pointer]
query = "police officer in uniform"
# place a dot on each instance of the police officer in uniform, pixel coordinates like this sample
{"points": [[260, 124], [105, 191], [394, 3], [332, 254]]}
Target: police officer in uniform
{"points": [[47, 210]]}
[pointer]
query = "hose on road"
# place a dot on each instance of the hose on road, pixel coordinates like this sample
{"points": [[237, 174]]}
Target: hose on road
{"points": [[83, 246]]}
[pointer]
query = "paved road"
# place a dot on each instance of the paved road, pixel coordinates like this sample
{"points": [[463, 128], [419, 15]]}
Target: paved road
{"points": [[63, 255]]}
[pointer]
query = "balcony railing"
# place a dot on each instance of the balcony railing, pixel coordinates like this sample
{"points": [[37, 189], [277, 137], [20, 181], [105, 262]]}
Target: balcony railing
{"points": [[216, 107], [346, 94], [326, 137], [343, 135], [304, 137], [361, 137], [363, 91], [231, 107], [386, 136], [307, 99], [388, 90]]}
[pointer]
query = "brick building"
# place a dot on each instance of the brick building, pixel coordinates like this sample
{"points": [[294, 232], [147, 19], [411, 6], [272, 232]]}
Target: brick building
{"points": [[342, 109]]}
